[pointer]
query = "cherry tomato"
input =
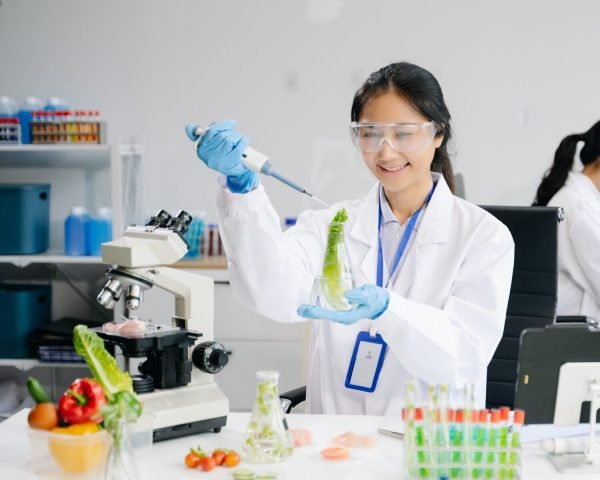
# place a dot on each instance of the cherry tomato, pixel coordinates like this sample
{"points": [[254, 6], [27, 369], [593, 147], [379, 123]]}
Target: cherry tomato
{"points": [[207, 464], [192, 460], [232, 459], [219, 456]]}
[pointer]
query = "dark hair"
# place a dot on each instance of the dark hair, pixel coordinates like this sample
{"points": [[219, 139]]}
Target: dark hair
{"points": [[564, 157], [423, 92]]}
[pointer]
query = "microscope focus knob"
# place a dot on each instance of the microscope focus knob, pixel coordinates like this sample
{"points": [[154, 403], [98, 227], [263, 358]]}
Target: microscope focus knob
{"points": [[210, 357]]}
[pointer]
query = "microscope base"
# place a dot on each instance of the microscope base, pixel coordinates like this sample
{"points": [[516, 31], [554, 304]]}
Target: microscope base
{"points": [[186, 410]]}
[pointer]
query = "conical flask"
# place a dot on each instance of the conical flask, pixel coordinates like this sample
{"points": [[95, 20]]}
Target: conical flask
{"points": [[267, 438], [336, 278]]}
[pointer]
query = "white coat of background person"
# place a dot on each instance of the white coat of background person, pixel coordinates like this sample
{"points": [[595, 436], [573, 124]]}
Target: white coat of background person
{"points": [[443, 313], [579, 233]]}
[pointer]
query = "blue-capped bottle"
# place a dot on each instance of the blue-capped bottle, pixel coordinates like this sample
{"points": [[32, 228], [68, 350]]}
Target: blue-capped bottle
{"points": [[75, 232], [30, 105], [99, 230]]}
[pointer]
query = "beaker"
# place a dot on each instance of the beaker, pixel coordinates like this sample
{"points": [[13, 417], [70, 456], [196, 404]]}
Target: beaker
{"points": [[267, 438], [120, 463], [336, 278]]}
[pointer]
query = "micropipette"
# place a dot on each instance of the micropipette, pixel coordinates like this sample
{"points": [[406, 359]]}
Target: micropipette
{"points": [[260, 163]]}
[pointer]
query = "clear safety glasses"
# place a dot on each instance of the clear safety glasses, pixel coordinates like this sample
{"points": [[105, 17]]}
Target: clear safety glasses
{"points": [[402, 137]]}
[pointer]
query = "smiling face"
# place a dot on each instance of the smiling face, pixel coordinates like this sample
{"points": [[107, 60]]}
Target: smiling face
{"points": [[401, 174]]}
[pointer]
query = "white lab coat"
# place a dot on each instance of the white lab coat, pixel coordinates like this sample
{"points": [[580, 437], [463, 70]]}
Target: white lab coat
{"points": [[447, 308], [579, 247]]}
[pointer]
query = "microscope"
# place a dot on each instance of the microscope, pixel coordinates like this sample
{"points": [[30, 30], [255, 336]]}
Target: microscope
{"points": [[183, 400]]}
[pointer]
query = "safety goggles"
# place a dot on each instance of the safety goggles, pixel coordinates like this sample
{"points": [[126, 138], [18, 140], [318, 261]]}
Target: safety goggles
{"points": [[402, 137]]}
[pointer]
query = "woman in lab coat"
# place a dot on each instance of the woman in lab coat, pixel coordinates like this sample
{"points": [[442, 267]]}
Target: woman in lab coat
{"points": [[579, 234], [440, 315]]}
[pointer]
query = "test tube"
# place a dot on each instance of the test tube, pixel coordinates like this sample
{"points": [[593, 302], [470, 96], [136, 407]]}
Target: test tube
{"points": [[515, 443], [503, 440], [492, 445], [446, 416], [479, 442], [422, 456], [458, 445]]}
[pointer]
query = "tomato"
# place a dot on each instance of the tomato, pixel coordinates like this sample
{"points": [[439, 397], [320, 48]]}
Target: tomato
{"points": [[43, 416], [192, 460], [335, 453], [219, 456], [207, 464], [232, 459]]}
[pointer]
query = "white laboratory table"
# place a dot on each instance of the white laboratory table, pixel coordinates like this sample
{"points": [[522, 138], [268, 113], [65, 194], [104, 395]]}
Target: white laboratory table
{"points": [[166, 460]]}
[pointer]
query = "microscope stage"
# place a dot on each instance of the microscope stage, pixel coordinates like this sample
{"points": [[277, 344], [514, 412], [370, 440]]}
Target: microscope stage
{"points": [[140, 345]]}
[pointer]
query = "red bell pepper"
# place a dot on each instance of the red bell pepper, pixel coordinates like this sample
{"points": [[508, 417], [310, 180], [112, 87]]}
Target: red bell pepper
{"points": [[82, 401]]}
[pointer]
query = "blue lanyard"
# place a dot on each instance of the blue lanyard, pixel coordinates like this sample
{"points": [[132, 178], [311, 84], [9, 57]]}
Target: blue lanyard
{"points": [[409, 228]]}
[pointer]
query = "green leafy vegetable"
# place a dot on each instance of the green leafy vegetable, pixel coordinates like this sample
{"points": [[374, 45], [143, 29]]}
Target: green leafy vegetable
{"points": [[335, 282], [102, 364], [124, 405]]}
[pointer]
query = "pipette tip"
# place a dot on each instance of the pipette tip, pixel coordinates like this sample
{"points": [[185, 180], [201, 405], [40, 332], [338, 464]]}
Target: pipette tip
{"points": [[317, 199]]}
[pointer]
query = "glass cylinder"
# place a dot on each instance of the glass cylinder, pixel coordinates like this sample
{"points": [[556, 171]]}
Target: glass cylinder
{"points": [[120, 463], [336, 278], [267, 438]]}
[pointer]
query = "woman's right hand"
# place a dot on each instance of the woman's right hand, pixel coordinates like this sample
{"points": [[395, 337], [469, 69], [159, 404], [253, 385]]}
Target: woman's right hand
{"points": [[221, 149]]}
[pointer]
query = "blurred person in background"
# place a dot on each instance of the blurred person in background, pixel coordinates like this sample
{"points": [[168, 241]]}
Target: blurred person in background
{"points": [[578, 192]]}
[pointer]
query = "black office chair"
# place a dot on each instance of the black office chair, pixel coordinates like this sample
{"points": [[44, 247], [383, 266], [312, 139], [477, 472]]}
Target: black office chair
{"points": [[532, 301]]}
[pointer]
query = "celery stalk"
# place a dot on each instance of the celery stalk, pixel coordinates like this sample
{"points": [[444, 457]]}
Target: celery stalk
{"points": [[333, 283]]}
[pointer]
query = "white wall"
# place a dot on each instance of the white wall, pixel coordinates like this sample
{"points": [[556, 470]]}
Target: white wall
{"points": [[517, 76]]}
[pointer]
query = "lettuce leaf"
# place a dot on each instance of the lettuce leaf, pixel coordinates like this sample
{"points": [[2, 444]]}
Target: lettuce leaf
{"points": [[102, 364], [333, 283]]}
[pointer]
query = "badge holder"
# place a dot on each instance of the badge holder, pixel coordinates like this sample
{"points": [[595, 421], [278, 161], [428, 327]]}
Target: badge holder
{"points": [[366, 362]]}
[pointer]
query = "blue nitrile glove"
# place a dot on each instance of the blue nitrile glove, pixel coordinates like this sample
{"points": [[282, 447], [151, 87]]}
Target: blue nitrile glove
{"points": [[221, 149], [369, 301]]}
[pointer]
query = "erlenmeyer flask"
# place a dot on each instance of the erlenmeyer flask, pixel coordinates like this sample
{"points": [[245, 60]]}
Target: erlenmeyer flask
{"points": [[336, 278], [267, 439]]}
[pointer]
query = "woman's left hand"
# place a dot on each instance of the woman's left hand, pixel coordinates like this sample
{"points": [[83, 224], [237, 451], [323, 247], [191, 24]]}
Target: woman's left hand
{"points": [[368, 301]]}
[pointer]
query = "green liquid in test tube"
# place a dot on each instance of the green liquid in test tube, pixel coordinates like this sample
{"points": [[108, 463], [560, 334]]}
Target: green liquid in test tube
{"points": [[515, 443], [458, 445], [422, 456], [479, 443], [492, 445], [504, 414]]}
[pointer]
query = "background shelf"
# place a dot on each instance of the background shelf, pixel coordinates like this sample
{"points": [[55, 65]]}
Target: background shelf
{"points": [[48, 257], [26, 364], [55, 156]]}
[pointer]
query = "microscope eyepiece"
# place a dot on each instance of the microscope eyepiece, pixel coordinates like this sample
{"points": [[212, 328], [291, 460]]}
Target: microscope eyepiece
{"points": [[161, 219], [181, 223]]}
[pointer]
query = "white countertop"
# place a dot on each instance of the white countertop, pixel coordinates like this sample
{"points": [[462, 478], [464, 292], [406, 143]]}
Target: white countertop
{"points": [[166, 461]]}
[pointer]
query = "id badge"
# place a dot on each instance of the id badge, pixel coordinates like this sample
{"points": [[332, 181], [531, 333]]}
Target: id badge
{"points": [[366, 362]]}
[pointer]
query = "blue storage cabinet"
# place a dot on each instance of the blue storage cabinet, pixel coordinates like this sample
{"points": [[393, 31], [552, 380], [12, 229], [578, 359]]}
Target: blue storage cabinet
{"points": [[25, 213], [23, 308]]}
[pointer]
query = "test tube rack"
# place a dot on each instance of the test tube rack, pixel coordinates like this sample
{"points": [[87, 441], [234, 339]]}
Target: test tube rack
{"points": [[10, 130], [67, 128], [459, 449]]}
